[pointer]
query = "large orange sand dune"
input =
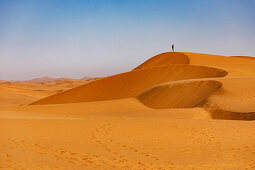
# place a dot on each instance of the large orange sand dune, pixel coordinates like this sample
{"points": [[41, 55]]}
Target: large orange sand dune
{"points": [[130, 84], [174, 111]]}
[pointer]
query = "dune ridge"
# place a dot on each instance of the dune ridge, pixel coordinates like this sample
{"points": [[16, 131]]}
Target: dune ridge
{"points": [[245, 57], [234, 101], [167, 58], [216, 112], [161, 115], [130, 84], [234, 66], [237, 94]]}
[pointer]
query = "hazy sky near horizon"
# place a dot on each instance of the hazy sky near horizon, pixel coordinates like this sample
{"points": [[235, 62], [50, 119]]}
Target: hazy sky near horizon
{"points": [[63, 38]]}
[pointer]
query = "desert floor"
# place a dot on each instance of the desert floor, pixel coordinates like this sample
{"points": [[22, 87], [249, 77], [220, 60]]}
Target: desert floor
{"points": [[175, 111]]}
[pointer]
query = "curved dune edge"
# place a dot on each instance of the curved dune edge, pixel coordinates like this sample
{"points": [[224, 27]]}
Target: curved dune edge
{"points": [[245, 57], [166, 58], [217, 113], [235, 100], [235, 66], [130, 84], [210, 59], [179, 95]]}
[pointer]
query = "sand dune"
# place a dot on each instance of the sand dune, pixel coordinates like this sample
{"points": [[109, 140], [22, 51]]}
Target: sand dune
{"points": [[25, 92], [167, 58], [222, 97], [47, 79], [179, 94], [174, 111], [245, 57], [2, 81], [130, 84], [236, 99], [234, 66], [217, 113], [237, 94], [207, 59], [9, 96], [130, 107]]}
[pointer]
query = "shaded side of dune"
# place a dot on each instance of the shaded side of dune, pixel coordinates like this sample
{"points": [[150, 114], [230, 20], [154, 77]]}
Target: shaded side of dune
{"points": [[234, 101], [217, 113], [179, 94], [227, 98], [167, 58], [132, 83]]}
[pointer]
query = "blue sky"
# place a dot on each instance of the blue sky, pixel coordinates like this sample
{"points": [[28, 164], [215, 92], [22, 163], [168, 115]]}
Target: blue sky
{"points": [[63, 38]]}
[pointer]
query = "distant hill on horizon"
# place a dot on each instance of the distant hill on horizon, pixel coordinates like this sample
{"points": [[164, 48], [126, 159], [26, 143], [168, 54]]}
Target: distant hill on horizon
{"points": [[48, 79]]}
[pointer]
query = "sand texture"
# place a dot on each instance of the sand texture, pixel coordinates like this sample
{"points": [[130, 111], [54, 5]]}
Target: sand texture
{"points": [[130, 84], [176, 110]]}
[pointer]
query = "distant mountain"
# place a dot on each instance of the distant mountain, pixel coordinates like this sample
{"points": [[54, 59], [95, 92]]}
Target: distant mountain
{"points": [[86, 78], [47, 79], [42, 79], [2, 81]]}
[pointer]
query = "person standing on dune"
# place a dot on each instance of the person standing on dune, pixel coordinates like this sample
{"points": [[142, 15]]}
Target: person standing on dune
{"points": [[173, 47]]}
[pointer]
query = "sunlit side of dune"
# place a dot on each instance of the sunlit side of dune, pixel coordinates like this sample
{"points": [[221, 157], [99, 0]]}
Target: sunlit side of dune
{"points": [[10, 96], [132, 83], [235, 67], [167, 58], [175, 111]]}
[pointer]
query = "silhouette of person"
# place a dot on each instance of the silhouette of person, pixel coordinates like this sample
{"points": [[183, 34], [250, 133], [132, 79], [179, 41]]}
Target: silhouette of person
{"points": [[172, 47]]}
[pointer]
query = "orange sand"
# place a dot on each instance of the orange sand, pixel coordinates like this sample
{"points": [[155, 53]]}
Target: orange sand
{"points": [[130, 84], [175, 111], [179, 94]]}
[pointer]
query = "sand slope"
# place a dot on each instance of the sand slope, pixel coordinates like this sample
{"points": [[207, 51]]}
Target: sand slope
{"points": [[234, 66], [179, 94], [130, 84], [26, 92], [245, 57], [130, 107], [167, 58], [12, 96], [236, 99], [175, 111]]}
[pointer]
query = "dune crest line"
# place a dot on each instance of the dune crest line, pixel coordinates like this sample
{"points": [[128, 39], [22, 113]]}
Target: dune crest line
{"points": [[131, 84], [167, 58]]}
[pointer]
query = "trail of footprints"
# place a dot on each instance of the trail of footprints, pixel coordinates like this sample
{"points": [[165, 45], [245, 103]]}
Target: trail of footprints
{"points": [[63, 155], [85, 160], [102, 136]]}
